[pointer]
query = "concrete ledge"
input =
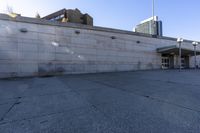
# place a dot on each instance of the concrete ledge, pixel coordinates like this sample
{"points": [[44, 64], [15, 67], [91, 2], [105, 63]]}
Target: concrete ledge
{"points": [[79, 26]]}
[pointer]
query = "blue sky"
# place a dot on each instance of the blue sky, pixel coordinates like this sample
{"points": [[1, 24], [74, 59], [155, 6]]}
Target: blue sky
{"points": [[180, 17]]}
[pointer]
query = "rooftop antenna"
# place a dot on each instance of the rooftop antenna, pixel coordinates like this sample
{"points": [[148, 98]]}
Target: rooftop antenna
{"points": [[153, 8], [153, 13]]}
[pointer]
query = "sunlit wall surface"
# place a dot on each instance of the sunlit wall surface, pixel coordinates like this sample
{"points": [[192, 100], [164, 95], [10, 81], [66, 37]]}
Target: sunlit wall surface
{"points": [[36, 47]]}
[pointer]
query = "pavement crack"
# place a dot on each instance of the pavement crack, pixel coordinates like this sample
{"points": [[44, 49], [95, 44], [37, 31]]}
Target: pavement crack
{"points": [[146, 96], [42, 115], [45, 121], [12, 106], [42, 95], [171, 82]]}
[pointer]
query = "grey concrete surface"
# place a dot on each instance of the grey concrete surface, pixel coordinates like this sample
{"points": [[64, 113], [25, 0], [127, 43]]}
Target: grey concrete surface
{"points": [[55, 48], [126, 102]]}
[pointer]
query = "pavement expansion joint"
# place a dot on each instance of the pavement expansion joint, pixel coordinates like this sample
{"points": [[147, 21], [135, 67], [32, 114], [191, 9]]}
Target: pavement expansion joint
{"points": [[149, 97]]}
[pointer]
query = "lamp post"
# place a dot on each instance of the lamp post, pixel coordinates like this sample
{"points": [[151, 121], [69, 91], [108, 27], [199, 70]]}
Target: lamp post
{"points": [[195, 53], [179, 41]]}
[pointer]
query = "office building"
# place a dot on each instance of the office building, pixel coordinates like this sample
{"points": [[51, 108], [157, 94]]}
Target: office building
{"points": [[150, 26]]}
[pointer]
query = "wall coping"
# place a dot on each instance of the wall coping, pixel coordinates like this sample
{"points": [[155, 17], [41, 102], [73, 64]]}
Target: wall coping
{"points": [[80, 26]]}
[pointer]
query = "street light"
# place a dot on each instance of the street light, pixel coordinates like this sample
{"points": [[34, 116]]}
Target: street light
{"points": [[179, 41], [195, 53]]}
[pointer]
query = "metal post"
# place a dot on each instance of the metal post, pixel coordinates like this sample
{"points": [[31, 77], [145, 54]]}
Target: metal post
{"points": [[195, 54], [180, 63], [153, 12], [153, 9]]}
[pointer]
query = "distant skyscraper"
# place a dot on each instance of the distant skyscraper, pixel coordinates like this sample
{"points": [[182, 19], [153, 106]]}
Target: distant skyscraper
{"points": [[150, 26]]}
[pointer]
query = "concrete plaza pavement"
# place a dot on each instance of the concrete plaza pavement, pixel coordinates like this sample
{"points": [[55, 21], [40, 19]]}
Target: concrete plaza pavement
{"points": [[126, 102]]}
